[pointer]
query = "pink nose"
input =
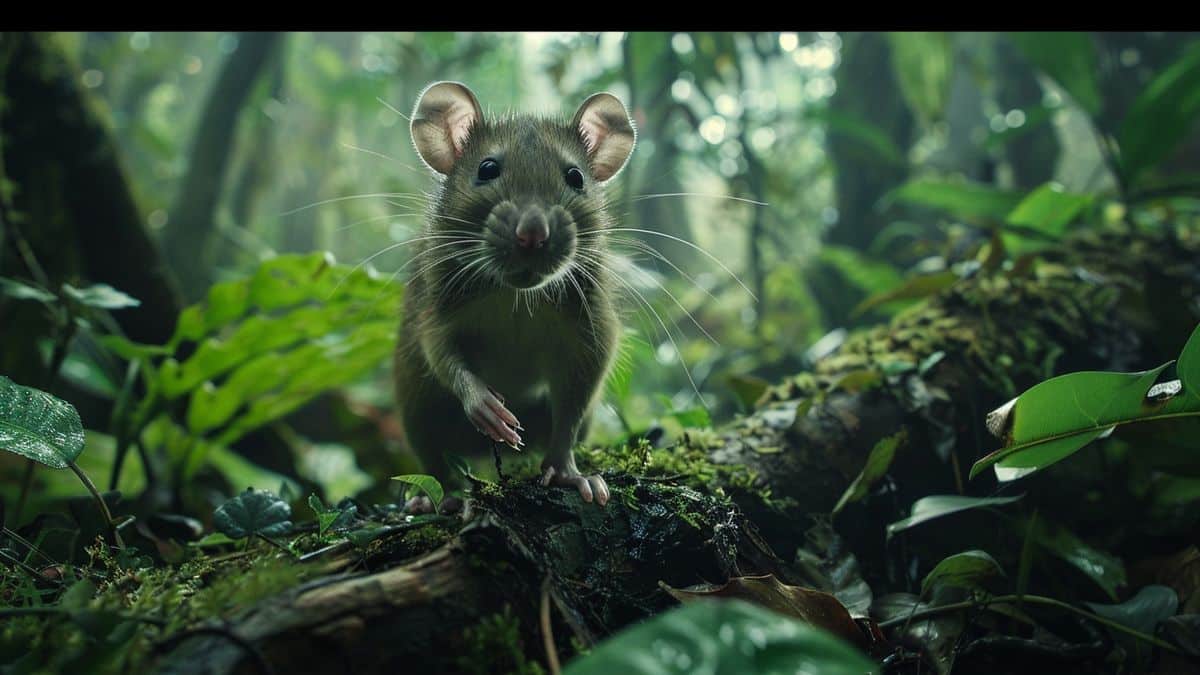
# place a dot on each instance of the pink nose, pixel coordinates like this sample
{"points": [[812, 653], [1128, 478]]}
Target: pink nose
{"points": [[532, 229]]}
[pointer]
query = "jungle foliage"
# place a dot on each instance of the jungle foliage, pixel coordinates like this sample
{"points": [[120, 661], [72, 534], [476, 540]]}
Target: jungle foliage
{"points": [[936, 408]]}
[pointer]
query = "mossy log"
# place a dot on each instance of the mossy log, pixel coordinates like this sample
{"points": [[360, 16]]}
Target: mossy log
{"points": [[736, 500]]}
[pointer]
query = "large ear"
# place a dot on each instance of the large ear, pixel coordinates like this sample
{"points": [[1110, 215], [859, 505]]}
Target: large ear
{"points": [[441, 122], [607, 132]]}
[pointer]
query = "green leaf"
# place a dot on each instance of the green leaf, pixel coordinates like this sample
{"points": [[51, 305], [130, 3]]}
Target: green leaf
{"points": [[100, 296], [1069, 58], [747, 388], [969, 569], [923, 63], [1055, 418], [1143, 611], [936, 506], [867, 274], [876, 466], [254, 512], [727, 637], [39, 426], [1161, 117], [1049, 209], [873, 137], [962, 199], [19, 290], [1100, 566], [921, 286], [692, 417], [427, 484]]}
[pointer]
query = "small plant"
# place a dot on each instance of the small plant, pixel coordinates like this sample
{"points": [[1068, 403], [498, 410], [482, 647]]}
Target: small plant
{"points": [[46, 429]]}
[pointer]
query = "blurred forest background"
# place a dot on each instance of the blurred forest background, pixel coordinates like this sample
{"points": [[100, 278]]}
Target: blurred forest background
{"points": [[839, 176]]}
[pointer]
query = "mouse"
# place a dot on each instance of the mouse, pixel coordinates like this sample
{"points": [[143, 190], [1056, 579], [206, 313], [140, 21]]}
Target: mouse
{"points": [[510, 325]]}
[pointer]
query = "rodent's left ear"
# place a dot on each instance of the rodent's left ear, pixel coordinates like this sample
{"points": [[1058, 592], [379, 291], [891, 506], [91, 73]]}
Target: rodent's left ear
{"points": [[442, 122], [607, 133]]}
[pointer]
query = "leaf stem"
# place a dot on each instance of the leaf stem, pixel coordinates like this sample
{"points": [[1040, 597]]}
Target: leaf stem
{"points": [[1033, 600], [108, 519]]}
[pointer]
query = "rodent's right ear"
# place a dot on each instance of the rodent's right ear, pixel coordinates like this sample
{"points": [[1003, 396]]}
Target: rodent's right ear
{"points": [[441, 123]]}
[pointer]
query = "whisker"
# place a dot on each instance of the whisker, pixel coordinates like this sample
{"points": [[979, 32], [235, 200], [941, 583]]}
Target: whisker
{"points": [[383, 156], [744, 200], [389, 107], [373, 195], [694, 246]]}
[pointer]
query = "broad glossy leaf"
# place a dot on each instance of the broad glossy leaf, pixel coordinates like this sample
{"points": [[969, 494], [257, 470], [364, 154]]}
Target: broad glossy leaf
{"points": [[19, 290], [921, 286], [427, 484], [962, 199], [101, 296], [1056, 418], [729, 637], [1161, 116], [1049, 209], [1101, 566], [873, 137], [1143, 611], [254, 512], [936, 506], [1069, 58], [39, 426], [969, 569], [876, 466]]}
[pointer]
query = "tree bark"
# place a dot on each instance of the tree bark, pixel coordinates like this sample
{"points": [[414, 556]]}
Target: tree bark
{"points": [[71, 197], [804, 444], [189, 232]]}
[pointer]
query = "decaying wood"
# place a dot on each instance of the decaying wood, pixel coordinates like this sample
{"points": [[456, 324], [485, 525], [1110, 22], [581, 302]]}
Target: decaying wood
{"points": [[1112, 302]]}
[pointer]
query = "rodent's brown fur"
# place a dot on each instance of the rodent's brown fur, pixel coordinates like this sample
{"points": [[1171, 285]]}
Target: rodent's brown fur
{"points": [[543, 351]]}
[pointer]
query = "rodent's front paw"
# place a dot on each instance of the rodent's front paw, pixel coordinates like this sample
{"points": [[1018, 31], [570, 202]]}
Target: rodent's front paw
{"points": [[590, 487], [485, 408]]}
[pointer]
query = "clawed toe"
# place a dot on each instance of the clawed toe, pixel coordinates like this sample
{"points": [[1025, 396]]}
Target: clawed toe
{"points": [[591, 488]]}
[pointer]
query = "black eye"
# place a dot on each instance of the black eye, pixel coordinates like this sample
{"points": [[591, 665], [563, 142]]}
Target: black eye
{"points": [[489, 169], [574, 178]]}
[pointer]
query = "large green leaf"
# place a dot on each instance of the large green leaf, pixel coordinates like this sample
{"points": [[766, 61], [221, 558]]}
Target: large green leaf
{"points": [[871, 136], [923, 63], [936, 506], [39, 426], [1162, 116], [1049, 209], [876, 466], [427, 484], [962, 199], [969, 569], [254, 512], [101, 296], [1143, 611], [1055, 418], [1069, 59], [1100, 566], [727, 637]]}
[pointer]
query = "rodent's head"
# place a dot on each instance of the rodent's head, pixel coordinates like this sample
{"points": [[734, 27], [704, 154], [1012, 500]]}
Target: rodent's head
{"points": [[522, 189]]}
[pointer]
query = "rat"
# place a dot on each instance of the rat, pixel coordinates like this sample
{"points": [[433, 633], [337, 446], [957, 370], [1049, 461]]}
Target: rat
{"points": [[510, 326]]}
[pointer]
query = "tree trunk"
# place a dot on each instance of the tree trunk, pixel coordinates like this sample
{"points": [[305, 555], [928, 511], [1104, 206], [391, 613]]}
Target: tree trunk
{"points": [[790, 460], [71, 198], [189, 232]]}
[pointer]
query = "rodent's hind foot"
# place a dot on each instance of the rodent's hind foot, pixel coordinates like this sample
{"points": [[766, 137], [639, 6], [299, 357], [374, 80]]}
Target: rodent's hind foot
{"points": [[590, 487], [422, 505], [418, 506]]}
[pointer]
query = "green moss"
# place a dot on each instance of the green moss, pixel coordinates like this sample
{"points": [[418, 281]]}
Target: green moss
{"points": [[170, 598], [494, 645]]}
